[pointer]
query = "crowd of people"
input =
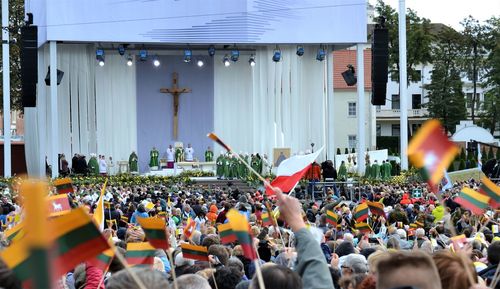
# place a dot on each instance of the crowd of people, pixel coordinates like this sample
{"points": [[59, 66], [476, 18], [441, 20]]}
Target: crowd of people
{"points": [[412, 245]]}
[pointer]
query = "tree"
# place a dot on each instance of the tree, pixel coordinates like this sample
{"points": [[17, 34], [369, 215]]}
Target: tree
{"points": [[446, 98], [462, 153], [16, 14], [473, 62], [461, 166], [418, 38], [490, 153], [484, 157], [490, 109]]}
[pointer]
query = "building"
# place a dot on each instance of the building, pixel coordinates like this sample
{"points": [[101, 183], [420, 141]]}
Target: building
{"points": [[388, 115]]}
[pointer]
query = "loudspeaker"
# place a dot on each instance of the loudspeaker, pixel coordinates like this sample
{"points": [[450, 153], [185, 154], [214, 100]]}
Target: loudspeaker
{"points": [[349, 77], [380, 63], [29, 64], [60, 75]]}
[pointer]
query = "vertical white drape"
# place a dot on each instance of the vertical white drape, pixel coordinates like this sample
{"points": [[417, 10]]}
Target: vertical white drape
{"points": [[272, 104], [96, 107]]}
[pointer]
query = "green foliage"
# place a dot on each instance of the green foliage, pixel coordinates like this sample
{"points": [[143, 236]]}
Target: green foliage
{"points": [[462, 153], [461, 166], [16, 15], [490, 153], [338, 151], [451, 168], [490, 108], [484, 157], [497, 154], [418, 37], [446, 97]]}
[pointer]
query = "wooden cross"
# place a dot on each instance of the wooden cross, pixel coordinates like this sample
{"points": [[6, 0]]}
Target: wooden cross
{"points": [[175, 91]]}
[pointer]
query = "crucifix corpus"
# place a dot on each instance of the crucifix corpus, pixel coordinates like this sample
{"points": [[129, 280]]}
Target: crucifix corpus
{"points": [[175, 91]]}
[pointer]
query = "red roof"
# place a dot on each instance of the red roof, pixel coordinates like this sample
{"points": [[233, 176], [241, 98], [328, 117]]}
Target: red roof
{"points": [[341, 59]]}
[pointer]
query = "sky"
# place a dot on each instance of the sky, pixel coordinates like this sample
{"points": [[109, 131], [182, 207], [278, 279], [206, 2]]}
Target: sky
{"points": [[450, 12]]}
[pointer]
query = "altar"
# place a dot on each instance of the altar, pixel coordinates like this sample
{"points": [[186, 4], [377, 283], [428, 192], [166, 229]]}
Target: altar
{"points": [[184, 166]]}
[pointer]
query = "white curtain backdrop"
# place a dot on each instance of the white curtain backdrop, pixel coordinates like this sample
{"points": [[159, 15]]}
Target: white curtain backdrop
{"points": [[272, 104], [96, 107]]}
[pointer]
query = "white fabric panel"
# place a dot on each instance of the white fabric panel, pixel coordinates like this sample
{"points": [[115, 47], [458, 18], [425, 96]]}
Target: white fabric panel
{"points": [[282, 104], [79, 121], [116, 119]]}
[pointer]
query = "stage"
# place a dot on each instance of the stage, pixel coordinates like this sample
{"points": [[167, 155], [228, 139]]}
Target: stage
{"points": [[183, 166]]}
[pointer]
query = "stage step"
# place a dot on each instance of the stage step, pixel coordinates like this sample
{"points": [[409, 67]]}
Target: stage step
{"points": [[233, 184]]}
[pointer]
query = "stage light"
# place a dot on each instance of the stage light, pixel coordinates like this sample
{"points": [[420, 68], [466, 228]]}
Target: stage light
{"points": [[300, 50], [251, 61], [200, 62], [99, 56], [277, 55], [211, 50], [143, 55], [320, 55], [156, 61], [121, 49], [226, 61], [130, 60], [235, 54], [188, 54]]}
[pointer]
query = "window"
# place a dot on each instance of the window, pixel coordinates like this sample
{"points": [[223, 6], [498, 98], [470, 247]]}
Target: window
{"points": [[351, 109], [418, 75], [352, 141], [395, 101], [379, 129], [416, 101], [395, 130], [469, 100]]}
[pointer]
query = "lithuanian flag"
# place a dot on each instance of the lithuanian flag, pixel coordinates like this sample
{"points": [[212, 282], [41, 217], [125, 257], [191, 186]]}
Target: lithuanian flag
{"points": [[17, 258], [15, 233], [63, 186], [226, 233], [363, 227], [266, 219], [488, 188], [155, 231], [332, 218], [431, 150], [76, 239], [140, 254], [472, 200], [361, 212], [190, 228], [241, 228], [58, 205], [194, 252], [376, 208], [103, 260]]}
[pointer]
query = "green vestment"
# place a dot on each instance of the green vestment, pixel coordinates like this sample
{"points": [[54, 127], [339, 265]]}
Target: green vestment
{"points": [[219, 167], [93, 166], [153, 162], [132, 162], [209, 156], [342, 172]]}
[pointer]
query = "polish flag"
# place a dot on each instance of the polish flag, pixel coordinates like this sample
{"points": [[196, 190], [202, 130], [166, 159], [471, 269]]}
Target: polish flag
{"points": [[291, 170]]}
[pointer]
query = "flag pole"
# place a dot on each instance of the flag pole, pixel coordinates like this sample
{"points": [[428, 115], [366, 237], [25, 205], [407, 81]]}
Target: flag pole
{"points": [[172, 269]]}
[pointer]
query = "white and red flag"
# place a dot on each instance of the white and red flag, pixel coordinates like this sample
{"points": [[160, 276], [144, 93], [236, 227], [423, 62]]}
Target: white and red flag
{"points": [[291, 170]]}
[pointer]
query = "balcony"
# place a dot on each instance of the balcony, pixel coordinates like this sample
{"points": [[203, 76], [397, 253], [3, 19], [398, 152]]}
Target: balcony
{"points": [[395, 113]]}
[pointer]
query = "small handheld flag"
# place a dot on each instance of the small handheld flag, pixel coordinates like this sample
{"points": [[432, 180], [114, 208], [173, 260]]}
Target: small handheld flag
{"points": [[488, 188], [241, 228], [226, 233], [376, 208], [139, 254], [190, 228], [332, 218], [194, 252], [361, 212], [472, 200], [155, 231], [58, 205], [63, 186]]}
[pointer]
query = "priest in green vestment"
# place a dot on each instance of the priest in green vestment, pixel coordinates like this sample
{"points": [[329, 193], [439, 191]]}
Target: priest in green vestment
{"points": [[389, 169], [93, 165], [132, 163], [368, 170], [225, 166], [179, 154], [375, 171], [342, 171], [153, 161], [218, 164], [209, 155]]}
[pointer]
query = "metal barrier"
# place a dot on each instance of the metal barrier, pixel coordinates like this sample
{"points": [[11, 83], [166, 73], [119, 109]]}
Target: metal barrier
{"points": [[322, 187]]}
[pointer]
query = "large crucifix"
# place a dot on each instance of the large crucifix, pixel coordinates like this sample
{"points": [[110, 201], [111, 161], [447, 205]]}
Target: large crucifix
{"points": [[175, 91]]}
